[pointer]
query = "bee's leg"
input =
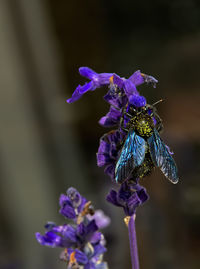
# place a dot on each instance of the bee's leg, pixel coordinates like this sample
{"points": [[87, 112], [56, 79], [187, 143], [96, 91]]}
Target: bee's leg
{"points": [[123, 111], [159, 124], [121, 123]]}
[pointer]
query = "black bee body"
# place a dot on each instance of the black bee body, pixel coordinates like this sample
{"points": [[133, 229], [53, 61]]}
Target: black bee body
{"points": [[143, 148]]}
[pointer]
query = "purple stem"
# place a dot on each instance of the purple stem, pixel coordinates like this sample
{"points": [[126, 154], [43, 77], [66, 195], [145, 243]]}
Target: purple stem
{"points": [[133, 243]]}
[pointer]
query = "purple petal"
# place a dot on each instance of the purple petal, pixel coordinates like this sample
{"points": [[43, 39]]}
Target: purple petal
{"points": [[74, 196], [91, 228], [109, 148], [81, 206], [110, 170], [130, 88], [113, 152], [50, 239], [81, 229], [107, 122], [111, 118], [68, 212], [129, 196], [100, 218], [118, 81], [80, 90], [99, 249], [104, 79], [81, 258], [104, 146], [137, 78], [96, 237], [112, 198], [102, 159], [143, 196], [59, 229], [63, 200], [137, 100], [90, 265], [133, 202], [87, 72], [103, 153], [69, 234]]}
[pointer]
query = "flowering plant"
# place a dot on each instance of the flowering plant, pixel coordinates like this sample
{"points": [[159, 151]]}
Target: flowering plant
{"points": [[82, 243], [128, 153], [128, 157]]}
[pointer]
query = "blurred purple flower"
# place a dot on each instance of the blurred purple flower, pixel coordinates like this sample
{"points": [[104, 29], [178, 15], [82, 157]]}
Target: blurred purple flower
{"points": [[100, 218], [129, 197], [78, 237], [71, 204]]}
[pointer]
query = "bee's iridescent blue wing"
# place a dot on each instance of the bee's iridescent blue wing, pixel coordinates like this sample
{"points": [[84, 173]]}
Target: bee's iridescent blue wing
{"points": [[132, 155], [161, 157]]}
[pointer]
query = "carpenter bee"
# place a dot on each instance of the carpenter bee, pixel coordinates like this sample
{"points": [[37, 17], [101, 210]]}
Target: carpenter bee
{"points": [[143, 148]]}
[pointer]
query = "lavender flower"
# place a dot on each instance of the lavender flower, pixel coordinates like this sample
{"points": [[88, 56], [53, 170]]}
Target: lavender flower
{"points": [[121, 96], [129, 197], [108, 152], [127, 86], [82, 242], [97, 80]]}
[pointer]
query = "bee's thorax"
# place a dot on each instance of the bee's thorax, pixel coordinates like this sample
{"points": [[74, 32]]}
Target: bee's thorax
{"points": [[142, 124]]}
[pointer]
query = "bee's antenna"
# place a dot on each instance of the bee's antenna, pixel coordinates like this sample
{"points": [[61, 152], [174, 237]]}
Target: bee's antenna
{"points": [[161, 100]]}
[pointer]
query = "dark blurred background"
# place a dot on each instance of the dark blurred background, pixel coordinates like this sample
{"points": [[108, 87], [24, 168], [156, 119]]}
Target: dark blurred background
{"points": [[47, 145]]}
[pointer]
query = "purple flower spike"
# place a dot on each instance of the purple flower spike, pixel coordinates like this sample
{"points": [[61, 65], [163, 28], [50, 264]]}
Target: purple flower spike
{"points": [[129, 197], [71, 204], [97, 81], [82, 242]]}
